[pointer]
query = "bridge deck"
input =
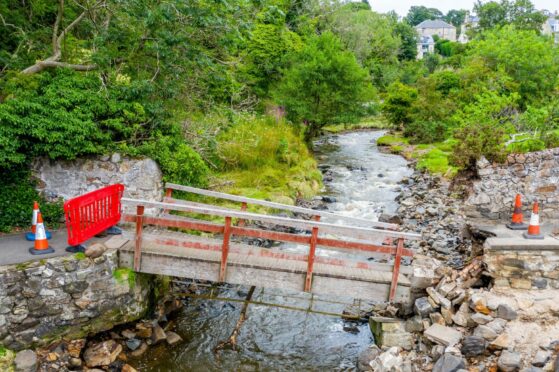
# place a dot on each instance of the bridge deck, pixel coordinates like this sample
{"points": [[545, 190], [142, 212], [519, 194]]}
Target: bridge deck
{"points": [[178, 254]]}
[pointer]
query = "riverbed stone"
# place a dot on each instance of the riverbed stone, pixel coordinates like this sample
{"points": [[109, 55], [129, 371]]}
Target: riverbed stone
{"points": [[485, 332], [158, 334], [473, 346], [506, 312], [102, 353], [172, 338], [480, 318], [541, 358], [449, 363], [367, 356], [26, 361], [509, 361]]}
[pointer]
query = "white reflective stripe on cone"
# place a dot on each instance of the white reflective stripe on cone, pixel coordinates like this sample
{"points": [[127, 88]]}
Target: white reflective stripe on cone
{"points": [[534, 219], [40, 233], [35, 214]]}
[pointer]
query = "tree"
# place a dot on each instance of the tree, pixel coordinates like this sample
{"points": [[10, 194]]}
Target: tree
{"points": [[370, 36], [530, 60], [398, 104], [520, 13], [455, 17], [408, 37], [324, 84], [418, 14]]}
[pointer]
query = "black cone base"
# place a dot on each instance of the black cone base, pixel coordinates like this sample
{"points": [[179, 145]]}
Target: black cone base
{"points": [[534, 237], [36, 252], [517, 226]]}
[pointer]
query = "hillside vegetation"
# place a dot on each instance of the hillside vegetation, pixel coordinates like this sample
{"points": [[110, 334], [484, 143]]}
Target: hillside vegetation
{"points": [[229, 94]]}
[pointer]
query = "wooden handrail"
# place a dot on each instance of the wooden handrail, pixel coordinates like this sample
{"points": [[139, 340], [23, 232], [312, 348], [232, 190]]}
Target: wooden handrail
{"points": [[360, 233], [278, 206]]}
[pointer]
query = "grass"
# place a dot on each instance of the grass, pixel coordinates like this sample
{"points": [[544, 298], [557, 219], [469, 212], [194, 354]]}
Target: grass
{"points": [[262, 159], [80, 256], [433, 158], [373, 122]]}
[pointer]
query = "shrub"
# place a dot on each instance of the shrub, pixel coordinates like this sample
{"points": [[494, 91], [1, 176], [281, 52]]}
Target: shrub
{"points": [[178, 162], [426, 131], [17, 194], [398, 105]]}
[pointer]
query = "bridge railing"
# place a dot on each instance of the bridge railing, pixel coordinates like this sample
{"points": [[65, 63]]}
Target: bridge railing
{"points": [[364, 234], [316, 214]]}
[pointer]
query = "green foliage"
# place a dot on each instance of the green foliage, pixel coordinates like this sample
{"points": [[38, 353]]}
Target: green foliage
{"points": [[398, 104], [325, 84], [531, 61], [178, 162], [17, 194], [418, 14], [426, 131], [431, 61], [456, 17], [520, 13], [483, 128], [436, 161], [525, 144], [388, 140], [408, 38]]}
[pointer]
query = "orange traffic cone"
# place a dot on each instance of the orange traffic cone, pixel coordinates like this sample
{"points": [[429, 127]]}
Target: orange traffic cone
{"points": [[41, 242], [534, 228], [517, 218], [31, 235]]}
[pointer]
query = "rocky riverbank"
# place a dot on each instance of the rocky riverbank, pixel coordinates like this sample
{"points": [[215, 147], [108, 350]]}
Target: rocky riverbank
{"points": [[461, 322]]}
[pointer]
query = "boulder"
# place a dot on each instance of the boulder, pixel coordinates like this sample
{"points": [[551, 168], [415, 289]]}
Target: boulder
{"points": [[509, 361], [366, 357], [541, 358], [158, 334], [473, 346], [480, 318], [422, 307], [26, 361], [449, 363], [102, 354], [173, 338], [95, 250], [485, 332], [506, 312]]}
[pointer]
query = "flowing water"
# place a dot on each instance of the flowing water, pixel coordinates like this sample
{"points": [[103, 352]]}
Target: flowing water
{"points": [[364, 183]]}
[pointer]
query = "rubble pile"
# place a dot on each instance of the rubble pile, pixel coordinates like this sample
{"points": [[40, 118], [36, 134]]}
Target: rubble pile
{"points": [[428, 206], [457, 327]]}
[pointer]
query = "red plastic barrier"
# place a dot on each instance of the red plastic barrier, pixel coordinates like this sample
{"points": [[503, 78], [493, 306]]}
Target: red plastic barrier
{"points": [[91, 213]]}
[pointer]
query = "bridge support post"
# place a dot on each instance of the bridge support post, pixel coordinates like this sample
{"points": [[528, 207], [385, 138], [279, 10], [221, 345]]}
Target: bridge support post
{"points": [[225, 248], [396, 270], [241, 222], [139, 229], [310, 262]]}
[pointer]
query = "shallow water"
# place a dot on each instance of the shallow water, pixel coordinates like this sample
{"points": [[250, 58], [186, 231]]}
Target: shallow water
{"points": [[365, 184]]}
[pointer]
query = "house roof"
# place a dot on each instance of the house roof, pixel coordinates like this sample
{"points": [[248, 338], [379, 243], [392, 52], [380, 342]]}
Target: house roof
{"points": [[437, 23]]}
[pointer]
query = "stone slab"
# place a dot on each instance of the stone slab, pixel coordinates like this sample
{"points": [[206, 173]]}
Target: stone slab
{"points": [[519, 244], [443, 335]]}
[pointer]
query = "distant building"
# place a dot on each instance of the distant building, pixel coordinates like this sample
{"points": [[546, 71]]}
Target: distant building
{"points": [[427, 29], [551, 28], [425, 45], [470, 23], [437, 27]]}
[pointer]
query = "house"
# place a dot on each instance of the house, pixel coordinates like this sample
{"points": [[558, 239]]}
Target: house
{"points": [[551, 28], [470, 23], [425, 45], [427, 29], [437, 27]]}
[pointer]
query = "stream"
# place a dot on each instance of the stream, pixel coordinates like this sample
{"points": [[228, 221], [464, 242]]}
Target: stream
{"points": [[361, 182]]}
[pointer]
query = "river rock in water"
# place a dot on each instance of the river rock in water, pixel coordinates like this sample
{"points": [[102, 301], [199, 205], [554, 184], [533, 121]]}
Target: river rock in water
{"points": [[102, 354]]}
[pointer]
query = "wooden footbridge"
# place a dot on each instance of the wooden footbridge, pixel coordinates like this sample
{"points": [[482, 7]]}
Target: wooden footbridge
{"points": [[179, 238]]}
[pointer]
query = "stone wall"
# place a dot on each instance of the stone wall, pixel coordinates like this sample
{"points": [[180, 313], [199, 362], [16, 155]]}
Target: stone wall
{"points": [[68, 297], [67, 179], [534, 175], [517, 263]]}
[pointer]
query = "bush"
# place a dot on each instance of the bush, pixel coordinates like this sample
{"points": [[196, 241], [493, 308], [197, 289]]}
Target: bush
{"points": [[17, 194], [426, 132], [398, 105], [178, 162]]}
